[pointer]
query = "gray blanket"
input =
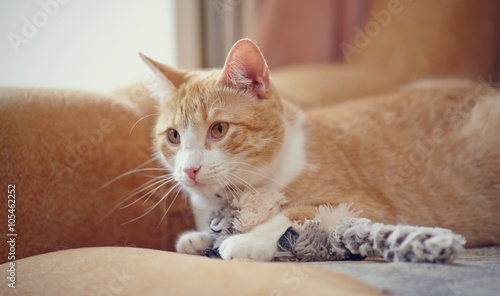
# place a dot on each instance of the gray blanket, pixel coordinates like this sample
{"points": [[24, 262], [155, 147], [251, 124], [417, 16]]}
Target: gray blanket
{"points": [[475, 272]]}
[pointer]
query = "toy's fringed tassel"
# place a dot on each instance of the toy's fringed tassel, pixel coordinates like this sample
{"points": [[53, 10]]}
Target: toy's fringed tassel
{"points": [[403, 242], [349, 237], [245, 211]]}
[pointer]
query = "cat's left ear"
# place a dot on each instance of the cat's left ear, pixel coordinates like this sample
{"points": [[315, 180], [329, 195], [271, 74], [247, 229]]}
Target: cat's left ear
{"points": [[246, 68], [167, 78]]}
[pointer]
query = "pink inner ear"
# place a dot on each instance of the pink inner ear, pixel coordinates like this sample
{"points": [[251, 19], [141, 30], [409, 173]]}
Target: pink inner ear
{"points": [[245, 68]]}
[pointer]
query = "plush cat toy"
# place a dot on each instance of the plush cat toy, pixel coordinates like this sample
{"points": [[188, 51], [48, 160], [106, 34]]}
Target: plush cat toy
{"points": [[336, 233]]}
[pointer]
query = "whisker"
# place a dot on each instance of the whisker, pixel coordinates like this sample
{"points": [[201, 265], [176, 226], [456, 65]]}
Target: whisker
{"points": [[225, 186], [140, 189], [147, 175], [129, 173], [232, 186], [144, 117], [257, 168], [248, 185], [148, 184], [149, 193], [168, 209], [148, 210], [165, 195], [266, 177], [149, 196]]}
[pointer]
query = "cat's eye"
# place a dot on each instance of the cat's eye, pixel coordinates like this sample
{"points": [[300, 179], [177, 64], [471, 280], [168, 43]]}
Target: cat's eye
{"points": [[173, 136], [219, 129]]}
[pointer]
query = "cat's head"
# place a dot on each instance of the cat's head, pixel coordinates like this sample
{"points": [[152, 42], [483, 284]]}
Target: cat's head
{"points": [[219, 128]]}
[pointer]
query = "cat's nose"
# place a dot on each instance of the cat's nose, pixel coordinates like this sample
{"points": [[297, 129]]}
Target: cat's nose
{"points": [[191, 172]]}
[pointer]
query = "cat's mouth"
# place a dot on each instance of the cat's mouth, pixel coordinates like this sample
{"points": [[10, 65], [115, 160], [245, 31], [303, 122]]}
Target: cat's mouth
{"points": [[210, 190], [214, 190], [198, 184], [193, 183], [212, 187]]}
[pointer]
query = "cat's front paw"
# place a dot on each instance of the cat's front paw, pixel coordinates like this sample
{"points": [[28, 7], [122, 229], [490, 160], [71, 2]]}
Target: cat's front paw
{"points": [[247, 246], [194, 242]]}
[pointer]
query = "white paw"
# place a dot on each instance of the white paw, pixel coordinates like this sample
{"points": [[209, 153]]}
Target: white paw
{"points": [[194, 242], [247, 246]]}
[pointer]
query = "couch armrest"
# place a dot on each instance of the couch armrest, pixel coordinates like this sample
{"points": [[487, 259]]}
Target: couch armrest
{"points": [[59, 147]]}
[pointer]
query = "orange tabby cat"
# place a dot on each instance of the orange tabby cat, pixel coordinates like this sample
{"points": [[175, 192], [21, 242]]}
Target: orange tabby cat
{"points": [[426, 155]]}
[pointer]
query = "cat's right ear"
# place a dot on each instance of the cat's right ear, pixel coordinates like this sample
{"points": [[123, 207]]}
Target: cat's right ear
{"points": [[167, 78], [245, 68]]}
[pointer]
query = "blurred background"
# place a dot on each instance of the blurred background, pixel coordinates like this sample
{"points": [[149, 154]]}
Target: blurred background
{"points": [[89, 45], [93, 44]]}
